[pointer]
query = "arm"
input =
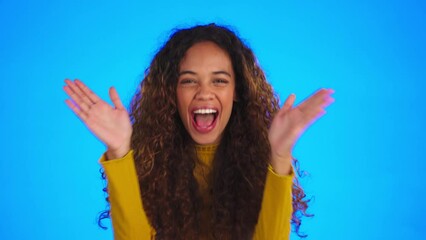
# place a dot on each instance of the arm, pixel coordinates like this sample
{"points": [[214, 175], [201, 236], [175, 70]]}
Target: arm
{"points": [[287, 126], [112, 126], [128, 217], [276, 210]]}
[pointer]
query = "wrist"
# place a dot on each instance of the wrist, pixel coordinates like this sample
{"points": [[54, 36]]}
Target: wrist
{"points": [[118, 153], [282, 164]]}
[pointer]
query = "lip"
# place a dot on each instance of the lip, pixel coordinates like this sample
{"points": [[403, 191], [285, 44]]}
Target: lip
{"points": [[208, 129]]}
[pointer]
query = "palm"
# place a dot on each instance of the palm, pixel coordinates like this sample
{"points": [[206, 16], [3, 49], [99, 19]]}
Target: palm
{"points": [[110, 124], [290, 123]]}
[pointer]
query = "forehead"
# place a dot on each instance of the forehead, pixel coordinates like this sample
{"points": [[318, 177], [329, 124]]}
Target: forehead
{"points": [[206, 56]]}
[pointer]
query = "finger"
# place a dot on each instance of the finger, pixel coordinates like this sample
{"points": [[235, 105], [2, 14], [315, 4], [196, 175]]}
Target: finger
{"points": [[76, 99], [288, 104], [83, 94], [315, 114], [326, 99], [76, 110], [83, 101], [115, 98], [312, 111], [313, 107], [321, 98], [90, 94], [327, 102]]}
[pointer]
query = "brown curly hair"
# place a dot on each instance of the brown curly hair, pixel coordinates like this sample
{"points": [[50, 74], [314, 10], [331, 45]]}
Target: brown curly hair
{"points": [[165, 155]]}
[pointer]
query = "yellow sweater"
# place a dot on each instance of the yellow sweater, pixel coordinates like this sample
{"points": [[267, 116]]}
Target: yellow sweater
{"points": [[130, 221]]}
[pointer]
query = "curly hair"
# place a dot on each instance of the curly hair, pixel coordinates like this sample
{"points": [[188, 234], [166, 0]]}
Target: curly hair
{"points": [[165, 155]]}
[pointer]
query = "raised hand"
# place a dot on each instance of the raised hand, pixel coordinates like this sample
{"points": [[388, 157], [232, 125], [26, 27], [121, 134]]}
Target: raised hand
{"points": [[289, 124], [111, 124]]}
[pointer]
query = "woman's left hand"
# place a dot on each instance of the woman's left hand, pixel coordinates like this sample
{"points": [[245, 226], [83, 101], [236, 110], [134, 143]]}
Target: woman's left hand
{"points": [[290, 122]]}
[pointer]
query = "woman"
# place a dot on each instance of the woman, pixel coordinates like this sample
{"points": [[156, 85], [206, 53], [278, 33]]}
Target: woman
{"points": [[206, 151]]}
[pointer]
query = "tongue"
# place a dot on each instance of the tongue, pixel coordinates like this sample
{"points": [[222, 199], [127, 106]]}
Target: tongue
{"points": [[204, 120]]}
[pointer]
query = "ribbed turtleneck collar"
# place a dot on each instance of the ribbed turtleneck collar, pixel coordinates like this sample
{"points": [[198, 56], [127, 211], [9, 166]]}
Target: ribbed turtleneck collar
{"points": [[206, 149], [206, 153]]}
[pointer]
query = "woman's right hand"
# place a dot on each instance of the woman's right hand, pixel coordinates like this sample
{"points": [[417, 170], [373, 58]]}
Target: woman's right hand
{"points": [[110, 124]]}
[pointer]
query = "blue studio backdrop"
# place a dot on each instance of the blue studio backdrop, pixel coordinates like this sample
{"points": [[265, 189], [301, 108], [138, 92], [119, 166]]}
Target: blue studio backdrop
{"points": [[365, 157]]}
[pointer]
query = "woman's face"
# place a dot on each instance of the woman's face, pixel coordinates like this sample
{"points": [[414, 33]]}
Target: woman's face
{"points": [[205, 92]]}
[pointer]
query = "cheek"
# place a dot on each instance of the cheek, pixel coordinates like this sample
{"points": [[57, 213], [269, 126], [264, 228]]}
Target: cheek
{"points": [[228, 101], [230, 98]]}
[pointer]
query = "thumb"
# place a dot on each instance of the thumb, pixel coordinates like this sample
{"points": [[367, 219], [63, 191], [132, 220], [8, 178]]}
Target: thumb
{"points": [[288, 104], [115, 98]]}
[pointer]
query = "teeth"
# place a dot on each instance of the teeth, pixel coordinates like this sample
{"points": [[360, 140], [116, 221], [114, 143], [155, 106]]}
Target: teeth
{"points": [[205, 111]]}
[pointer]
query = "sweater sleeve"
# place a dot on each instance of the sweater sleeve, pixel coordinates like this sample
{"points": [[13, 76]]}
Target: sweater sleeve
{"points": [[276, 210], [128, 218]]}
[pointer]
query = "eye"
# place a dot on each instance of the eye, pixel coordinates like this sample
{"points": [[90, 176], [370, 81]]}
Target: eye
{"points": [[220, 81], [187, 81]]}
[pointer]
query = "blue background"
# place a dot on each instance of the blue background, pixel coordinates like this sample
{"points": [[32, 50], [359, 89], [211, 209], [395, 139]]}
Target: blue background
{"points": [[366, 156]]}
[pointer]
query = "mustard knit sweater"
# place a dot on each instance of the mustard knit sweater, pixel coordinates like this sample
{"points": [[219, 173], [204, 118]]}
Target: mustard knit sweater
{"points": [[130, 221]]}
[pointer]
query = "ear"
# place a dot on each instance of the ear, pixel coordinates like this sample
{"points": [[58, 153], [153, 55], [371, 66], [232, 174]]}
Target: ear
{"points": [[235, 96]]}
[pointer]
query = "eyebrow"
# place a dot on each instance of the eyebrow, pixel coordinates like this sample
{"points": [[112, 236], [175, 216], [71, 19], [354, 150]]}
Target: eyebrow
{"points": [[215, 73]]}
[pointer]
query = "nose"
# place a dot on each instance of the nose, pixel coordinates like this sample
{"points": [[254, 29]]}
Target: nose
{"points": [[204, 93]]}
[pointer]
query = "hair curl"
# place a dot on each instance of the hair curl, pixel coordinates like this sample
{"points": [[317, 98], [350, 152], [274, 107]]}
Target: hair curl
{"points": [[165, 155]]}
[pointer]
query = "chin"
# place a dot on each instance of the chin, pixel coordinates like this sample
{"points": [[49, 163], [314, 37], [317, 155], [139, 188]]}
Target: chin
{"points": [[201, 140]]}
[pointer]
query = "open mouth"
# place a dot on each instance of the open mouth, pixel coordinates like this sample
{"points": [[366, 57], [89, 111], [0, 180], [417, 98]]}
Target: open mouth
{"points": [[204, 119]]}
